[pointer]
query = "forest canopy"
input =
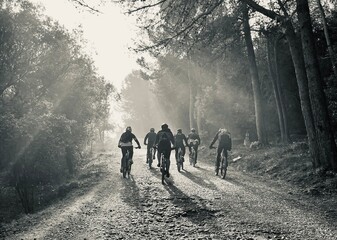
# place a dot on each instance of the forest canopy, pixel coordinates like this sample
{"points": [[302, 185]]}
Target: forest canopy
{"points": [[267, 68]]}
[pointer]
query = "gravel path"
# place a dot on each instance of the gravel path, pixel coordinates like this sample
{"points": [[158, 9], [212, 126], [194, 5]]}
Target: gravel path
{"points": [[194, 204]]}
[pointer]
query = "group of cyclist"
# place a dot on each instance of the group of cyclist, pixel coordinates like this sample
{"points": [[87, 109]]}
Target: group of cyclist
{"points": [[164, 139]]}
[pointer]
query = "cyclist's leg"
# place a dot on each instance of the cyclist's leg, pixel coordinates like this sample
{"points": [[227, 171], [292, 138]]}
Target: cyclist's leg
{"points": [[131, 153], [183, 151], [123, 155], [218, 157], [176, 153], [148, 153], [196, 153], [154, 152], [168, 162], [226, 155]]}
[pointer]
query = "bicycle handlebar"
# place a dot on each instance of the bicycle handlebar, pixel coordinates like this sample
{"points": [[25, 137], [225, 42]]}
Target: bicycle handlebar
{"points": [[172, 148]]}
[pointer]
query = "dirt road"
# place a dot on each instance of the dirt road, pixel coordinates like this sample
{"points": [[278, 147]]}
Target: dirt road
{"points": [[195, 204]]}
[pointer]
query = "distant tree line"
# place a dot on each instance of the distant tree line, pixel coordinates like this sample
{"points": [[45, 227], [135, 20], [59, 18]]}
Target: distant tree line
{"points": [[53, 103], [264, 68]]}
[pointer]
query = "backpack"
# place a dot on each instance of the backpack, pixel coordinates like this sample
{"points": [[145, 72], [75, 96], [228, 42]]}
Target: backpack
{"points": [[164, 142], [225, 140], [126, 137]]}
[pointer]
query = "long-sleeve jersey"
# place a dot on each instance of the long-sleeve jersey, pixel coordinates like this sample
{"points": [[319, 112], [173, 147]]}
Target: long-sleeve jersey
{"points": [[180, 138], [193, 136], [126, 139], [151, 138], [224, 139]]}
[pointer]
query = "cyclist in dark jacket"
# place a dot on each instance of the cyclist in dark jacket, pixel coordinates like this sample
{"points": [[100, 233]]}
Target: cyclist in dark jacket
{"points": [[193, 140], [224, 143], [166, 135], [151, 140], [179, 139], [125, 143]]}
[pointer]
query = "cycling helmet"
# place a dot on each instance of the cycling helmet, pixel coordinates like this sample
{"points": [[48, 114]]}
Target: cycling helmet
{"points": [[151, 129], [192, 129], [164, 126], [129, 129], [179, 130]]}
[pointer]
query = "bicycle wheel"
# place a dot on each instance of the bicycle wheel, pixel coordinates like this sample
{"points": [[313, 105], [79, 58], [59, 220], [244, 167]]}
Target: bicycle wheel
{"points": [[124, 172], [179, 162], [150, 162], [124, 167], [223, 167], [163, 173], [217, 166], [162, 168]]}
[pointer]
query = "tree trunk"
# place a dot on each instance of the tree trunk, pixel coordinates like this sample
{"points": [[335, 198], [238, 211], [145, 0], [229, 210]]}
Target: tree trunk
{"points": [[260, 126], [191, 105], [272, 65], [198, 112], [302, 83], [327, 145], [301, 77], [286, 137], [327, 39]]}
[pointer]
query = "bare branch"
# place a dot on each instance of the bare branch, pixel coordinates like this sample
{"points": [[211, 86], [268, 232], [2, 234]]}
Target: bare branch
{"points": [[185, 30], [145, 7], [83, 4]]}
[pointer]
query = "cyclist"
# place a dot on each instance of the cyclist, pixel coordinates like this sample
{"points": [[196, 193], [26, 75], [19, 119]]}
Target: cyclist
{"points": [[151, 139], [224, 144], [179, 140], [193, 140], [164, 136], [125, 143]]}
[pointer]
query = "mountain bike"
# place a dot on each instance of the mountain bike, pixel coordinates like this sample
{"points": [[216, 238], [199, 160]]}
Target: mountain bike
{"points": [[164, 166], [223, 164], [193, 153], [180, 159], [126, 164], [149, 157]]}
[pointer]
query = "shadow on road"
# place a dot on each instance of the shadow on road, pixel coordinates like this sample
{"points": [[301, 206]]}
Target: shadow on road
{"points": [[199, 180], [130, 193], [192, 207]]}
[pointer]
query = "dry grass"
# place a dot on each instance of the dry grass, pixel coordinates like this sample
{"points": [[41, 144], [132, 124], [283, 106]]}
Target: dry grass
{"points": [[289, 163]]}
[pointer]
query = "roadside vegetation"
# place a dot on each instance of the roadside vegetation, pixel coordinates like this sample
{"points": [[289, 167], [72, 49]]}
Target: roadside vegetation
{"points": [[53, 106]]}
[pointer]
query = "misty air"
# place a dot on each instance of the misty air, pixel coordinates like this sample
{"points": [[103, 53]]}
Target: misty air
{"points": [[168, 119]]}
